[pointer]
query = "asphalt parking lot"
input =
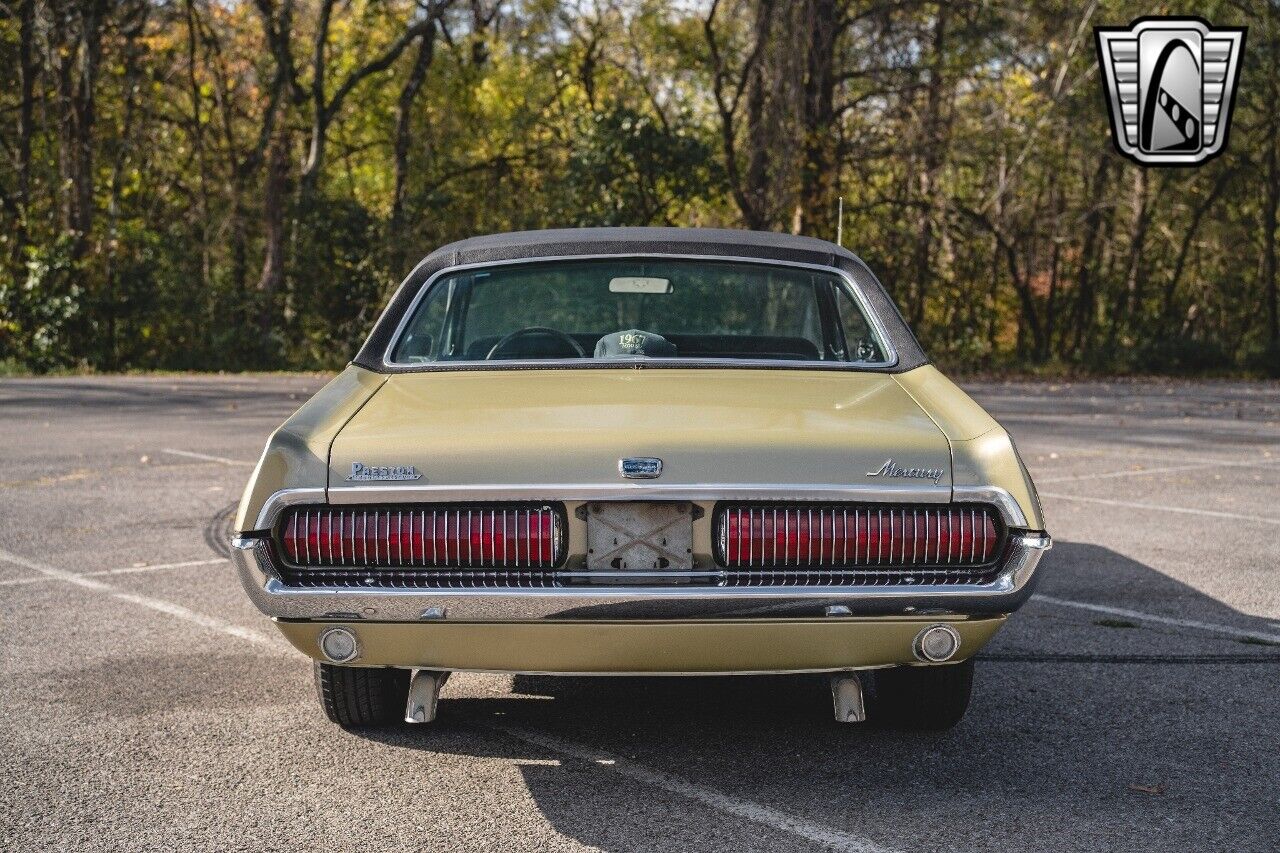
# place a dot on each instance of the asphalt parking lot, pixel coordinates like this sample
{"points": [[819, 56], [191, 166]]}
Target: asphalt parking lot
{"points": [[1132, 705]]}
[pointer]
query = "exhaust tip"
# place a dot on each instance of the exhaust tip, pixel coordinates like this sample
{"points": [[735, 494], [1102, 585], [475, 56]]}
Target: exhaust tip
{"points": [[339, 645], [936, 644]]}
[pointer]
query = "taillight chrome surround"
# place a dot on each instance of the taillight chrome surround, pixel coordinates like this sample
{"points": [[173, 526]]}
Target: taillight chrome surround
{"points": [[422, 536], [862, 536]]}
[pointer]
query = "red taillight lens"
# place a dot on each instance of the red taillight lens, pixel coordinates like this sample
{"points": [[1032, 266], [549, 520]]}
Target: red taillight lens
{"points": [[780, 536], [468, 537]]}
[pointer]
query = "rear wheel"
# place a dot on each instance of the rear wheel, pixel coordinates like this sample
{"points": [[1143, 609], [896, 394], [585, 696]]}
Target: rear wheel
{"points": [[357, 697], [929, 698]]}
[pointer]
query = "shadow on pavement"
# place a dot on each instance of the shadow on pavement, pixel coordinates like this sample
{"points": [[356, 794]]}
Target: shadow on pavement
{"points": [[1109, 742]]}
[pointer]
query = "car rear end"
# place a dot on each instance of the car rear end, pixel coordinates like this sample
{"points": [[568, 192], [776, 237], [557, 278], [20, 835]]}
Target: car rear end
{"points": [[641, 586], [772, 539], [671, 518]]}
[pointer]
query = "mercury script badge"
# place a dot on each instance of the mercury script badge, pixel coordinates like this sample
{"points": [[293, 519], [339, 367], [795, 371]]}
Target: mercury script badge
{"points": [[893, 469], [361, 471]]}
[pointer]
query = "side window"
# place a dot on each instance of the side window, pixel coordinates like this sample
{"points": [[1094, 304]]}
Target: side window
{"points": [[424, 337], [857, 331]]}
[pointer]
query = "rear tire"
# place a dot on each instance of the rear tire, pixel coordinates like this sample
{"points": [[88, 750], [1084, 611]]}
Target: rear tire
{"points": [[921, 698], [357, 697]]}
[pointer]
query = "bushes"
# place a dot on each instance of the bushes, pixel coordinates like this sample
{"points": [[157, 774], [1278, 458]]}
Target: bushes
{"points": [[1180, 356], [335, 283], [1264, 359], [40, 301]]}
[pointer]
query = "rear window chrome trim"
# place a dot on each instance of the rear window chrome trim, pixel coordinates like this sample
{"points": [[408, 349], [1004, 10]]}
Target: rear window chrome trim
{"points": [[854, 289]]}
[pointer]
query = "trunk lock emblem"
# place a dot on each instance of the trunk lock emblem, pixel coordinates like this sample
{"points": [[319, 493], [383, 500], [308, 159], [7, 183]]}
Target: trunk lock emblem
{"points": [[640, 467]]}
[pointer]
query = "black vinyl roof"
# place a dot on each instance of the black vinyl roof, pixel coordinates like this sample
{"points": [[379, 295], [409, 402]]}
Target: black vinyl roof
{"points": [[584, 241], [710, 242]]}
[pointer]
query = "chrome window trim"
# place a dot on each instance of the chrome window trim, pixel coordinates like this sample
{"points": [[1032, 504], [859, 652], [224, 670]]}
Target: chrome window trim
{"points": [[855, 290], [1005, 594]]}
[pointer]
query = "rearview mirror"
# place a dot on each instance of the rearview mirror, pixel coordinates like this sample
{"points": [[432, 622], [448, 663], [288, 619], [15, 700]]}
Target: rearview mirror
{"points": [[639, 284]]}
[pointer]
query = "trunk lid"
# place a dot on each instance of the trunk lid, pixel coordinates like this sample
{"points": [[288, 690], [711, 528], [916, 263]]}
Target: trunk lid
{"points": [[708, 426]]}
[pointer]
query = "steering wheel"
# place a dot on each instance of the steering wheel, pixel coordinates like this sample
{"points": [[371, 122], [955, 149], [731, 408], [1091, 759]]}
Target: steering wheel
{"points": [[537, 330]]}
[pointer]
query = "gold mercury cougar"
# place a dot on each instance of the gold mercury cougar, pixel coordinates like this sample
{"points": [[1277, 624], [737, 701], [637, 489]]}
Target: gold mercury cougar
{"points": [[649, 451]]}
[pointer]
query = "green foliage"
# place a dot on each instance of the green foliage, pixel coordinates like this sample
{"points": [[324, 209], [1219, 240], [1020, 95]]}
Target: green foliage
{"points": [[1180, 355], [335, 283], [627, 168], [40, 301], [1264, 359], [187, 225]]}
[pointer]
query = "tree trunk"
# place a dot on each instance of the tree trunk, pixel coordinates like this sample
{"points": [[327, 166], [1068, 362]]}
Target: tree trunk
{"points": [[1269, 213], [273, 258], [320, 115], [198, 143], [1129, 299], [132, 31], [933, 155], [88, 57], [404, 116], [1168, 318], [758, 153], [817, 170], [324, 110], [1030, 320], [745, 187], [1086, 276], [236, 166], [27, 71]]}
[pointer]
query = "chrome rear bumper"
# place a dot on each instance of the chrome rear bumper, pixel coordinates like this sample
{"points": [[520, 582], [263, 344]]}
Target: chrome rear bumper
{"points": [[1003, 595]]}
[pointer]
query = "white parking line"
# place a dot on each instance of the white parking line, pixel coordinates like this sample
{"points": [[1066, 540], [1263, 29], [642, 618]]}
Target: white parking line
{"points": [[1150, 454], [157, 604], [1136, 473], [203, 456], [808, 830], [127, 570], [1239, 633], [1234, 516], [819, 833]]}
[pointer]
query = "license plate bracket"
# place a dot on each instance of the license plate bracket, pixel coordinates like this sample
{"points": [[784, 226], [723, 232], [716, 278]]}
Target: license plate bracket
{"points": [[632, 536]]}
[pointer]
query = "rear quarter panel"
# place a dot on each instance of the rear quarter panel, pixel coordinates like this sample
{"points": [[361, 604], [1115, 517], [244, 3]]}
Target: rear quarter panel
{"points": [[982, 452], [297, 454]]}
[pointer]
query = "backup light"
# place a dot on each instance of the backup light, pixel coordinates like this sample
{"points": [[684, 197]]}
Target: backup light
{"points": [[937, 643], [339, 645]]}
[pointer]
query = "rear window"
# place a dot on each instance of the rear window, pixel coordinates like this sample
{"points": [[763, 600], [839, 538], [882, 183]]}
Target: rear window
{"points": [[640, 309]]}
